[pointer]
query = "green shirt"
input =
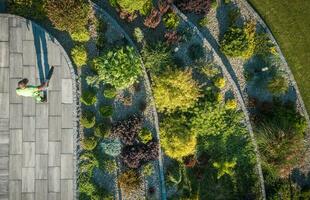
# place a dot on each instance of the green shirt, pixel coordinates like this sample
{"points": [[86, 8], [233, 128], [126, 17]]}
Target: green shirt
{"points": [[29, 91]]}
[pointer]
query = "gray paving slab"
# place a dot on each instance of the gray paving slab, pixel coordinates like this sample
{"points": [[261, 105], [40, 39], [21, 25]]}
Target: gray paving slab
{"points": [[16, 141], [66, 190], [54, 130], [29, 158], [29, 54], [16, 116], [4, 124], [42, 115], [28, 179], [54, 99], [4, 27], [41, 192], [67, 116], [15, 188], [41, 141], [4, 105], [66, 92], [54, 154], [16, 66], [29, 129], [4, 54], [54, 179], [36, 139], [41, 166], [15, 166], [4, 149], [66, 141], [4, 79], [16, 43], [66, 166]]}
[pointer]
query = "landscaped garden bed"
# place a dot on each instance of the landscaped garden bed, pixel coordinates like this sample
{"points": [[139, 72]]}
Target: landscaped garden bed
{"points": [[200, 146]]}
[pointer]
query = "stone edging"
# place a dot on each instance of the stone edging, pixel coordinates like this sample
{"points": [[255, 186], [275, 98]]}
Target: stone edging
{"points": [[248, 6], [237, 92], [148, 87], [75, 95]]}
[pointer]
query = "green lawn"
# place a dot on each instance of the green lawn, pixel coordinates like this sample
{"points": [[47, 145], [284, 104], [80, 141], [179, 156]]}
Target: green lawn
{"points": [[289, 21]]}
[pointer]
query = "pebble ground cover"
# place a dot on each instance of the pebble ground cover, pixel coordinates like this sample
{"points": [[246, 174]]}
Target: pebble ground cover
{"points": [[207, 152]]}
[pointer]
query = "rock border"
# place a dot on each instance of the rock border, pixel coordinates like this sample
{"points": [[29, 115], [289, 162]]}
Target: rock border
{"points": [[237, 91], [148, 88], [75, 95]]}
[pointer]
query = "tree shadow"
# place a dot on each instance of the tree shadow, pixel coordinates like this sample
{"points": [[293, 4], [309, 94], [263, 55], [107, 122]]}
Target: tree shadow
{"points": [[300, 178]]}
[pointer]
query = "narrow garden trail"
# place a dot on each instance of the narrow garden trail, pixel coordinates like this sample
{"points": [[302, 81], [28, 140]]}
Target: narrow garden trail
{"points": [[152, 115]]}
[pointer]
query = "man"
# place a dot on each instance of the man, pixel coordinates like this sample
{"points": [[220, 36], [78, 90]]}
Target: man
{"points": [[36, 92]]}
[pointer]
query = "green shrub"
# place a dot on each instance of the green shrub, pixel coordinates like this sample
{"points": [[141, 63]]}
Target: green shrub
{"points": [[195, 52], [80, 35], [148, 170], [225, 168], [89, 97], [138, 34], [220, 82], [204, 21], [102, 130], [87, 162], [79, 55], [106, 110], [88, 119], [34, 9], [231, 104], [120, 68], [87, 188], [156, 57], [278, 85], [129, 181], [68, 15], [111, 147], [141, 6], [240, 42], [175, 89], [145, 135], [110, 166], [176, 138], [210, 71], [215, 119], [109, 92], [171, 20], [89, 143]]}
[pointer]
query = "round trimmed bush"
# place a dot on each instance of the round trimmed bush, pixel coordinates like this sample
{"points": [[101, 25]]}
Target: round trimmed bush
{"points": [[106, 110], [79, 55], [80, 35], [110, 92], [102, 130], [89, 143], [89, 97], [145, 135], [220, 82], [111, 147], [88, 119], [231, 104]]}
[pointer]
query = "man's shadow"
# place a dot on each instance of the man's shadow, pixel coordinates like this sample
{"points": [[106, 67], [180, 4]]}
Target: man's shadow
{"points": [[40, 44]]}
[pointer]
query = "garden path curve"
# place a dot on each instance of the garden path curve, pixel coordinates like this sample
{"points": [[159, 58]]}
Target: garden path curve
{"points": [[37, 140]]}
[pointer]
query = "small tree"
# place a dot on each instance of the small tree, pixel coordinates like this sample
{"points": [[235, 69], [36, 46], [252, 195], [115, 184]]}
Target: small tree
{"points": [[68, 15], [175, 89], [119, 68]]}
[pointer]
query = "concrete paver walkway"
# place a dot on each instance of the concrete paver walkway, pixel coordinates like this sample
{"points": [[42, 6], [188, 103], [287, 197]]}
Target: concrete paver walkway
{"points": [[36, 139]]}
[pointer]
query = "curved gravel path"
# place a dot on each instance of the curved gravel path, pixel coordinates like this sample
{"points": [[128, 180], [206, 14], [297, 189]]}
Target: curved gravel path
{"points": [[237, 91], [151, 100], [38, 140]]}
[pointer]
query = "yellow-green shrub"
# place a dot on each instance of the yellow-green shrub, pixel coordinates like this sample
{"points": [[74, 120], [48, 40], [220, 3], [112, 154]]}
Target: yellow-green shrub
{"points": [[80, 35], [79, 55], [231, 104], [175, 89], [220, 82], [89, 143], [176, 138]]}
